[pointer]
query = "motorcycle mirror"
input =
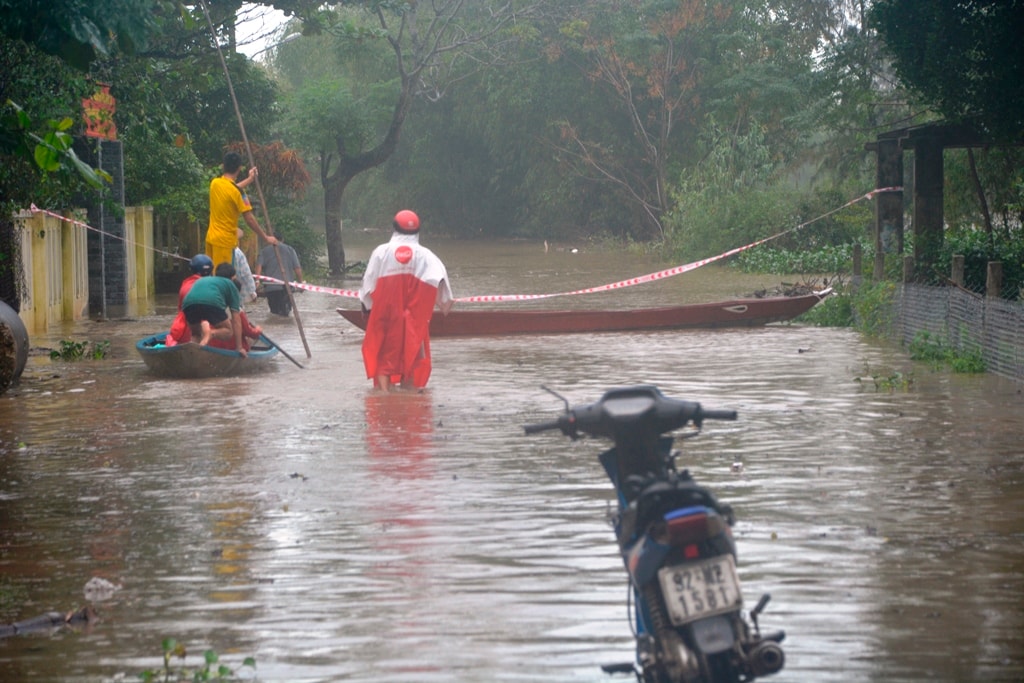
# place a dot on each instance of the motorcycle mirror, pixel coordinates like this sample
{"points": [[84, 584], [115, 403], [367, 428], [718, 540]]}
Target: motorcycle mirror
{"points": [[756, 612], [557, 395]]}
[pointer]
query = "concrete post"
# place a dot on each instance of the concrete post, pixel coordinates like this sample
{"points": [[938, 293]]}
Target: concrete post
{"points": [[928, 174], [888, 205], [994, 280], [957, 271]]}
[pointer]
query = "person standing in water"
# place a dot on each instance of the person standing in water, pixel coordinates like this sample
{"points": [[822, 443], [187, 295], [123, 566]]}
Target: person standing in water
{"points": [[227, 203], [402, 283], [267, 264]]}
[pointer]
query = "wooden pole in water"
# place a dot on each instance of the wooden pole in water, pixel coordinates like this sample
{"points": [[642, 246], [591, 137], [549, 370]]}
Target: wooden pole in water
{"points": [[259, 188]]}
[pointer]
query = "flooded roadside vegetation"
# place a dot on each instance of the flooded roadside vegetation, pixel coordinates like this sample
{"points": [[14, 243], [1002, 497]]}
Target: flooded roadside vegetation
{"points": [[334, 533], [295, 520]]}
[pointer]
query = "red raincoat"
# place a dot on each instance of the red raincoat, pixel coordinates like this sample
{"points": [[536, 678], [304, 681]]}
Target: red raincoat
{"points": [[402, 284], [180, 332]]}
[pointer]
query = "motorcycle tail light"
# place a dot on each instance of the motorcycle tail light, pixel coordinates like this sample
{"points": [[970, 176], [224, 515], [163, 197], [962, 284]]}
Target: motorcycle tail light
{"points": [[687, 525]]}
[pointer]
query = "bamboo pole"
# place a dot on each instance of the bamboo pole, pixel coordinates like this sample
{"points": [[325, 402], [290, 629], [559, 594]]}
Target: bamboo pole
{"points": [[256, 178]]}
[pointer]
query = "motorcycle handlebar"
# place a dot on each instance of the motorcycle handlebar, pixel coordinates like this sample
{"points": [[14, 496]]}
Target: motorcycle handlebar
{"points": [[718, 414], [642, 406], [542, 426]]}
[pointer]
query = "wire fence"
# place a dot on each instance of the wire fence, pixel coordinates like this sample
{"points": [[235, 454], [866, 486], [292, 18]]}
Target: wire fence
{"points": [[971, 323]]}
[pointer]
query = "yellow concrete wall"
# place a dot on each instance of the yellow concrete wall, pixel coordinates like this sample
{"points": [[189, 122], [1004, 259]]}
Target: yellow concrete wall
{"points": [[75, 269], [144, 251], [54, 256]]}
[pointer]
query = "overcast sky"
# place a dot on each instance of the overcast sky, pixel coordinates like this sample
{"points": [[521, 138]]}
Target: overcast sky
{"points": [[258, 28]]}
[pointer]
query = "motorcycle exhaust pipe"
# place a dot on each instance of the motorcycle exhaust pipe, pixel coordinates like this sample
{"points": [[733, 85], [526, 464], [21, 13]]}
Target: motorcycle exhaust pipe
{"points": [[767, 658]]}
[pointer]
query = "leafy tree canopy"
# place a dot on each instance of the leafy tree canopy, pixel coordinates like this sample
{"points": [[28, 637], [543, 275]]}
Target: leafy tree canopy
{"points": [[967, 58], [78, 32]]}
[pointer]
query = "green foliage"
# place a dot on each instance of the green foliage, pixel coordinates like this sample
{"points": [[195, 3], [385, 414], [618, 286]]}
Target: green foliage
{"points": [[706, 222], [964, 57], [999, 171], [74, 351], [78, 32], [38, 94], [886, 379], [736, 195], [834, 311], [53, 151], [873, 308], [978, 248], [828, 259], [211, 669], [937, 352], [292, 226], [325, 113]]}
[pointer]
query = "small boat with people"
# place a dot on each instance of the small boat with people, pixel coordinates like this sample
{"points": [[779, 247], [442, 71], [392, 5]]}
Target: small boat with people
{"points": [[193, 361], [743, 312]]}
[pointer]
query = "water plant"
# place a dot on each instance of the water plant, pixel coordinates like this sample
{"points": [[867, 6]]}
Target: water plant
{"points": [[73, 350], [886, 380], [211, 670]]}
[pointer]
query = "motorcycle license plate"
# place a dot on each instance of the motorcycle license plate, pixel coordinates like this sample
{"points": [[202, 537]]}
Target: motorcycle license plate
{"points": [[701, 589]]}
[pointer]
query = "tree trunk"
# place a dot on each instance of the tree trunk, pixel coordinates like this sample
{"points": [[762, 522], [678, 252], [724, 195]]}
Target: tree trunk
{"points": [[348, 167], [980, 192], [333, 192]]}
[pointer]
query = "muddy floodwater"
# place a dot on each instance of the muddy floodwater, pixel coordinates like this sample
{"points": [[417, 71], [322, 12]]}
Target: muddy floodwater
{"points": [[337, 534]]}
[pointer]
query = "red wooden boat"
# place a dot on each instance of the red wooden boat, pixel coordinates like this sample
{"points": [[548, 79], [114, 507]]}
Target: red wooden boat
{"points": [[734, 313]]}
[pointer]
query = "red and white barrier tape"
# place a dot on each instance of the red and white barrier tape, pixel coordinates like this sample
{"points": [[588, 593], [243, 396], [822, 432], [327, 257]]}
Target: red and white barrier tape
{"points": [[351, 293], [671, 271], [495, 298], [35, 209]]}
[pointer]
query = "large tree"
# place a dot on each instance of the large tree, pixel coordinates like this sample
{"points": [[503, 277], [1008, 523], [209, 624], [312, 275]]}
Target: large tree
{"points": [[670, 72], [431, 45], [966, 58]]}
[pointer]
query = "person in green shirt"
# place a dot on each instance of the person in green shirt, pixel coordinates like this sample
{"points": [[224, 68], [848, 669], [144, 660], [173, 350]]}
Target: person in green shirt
{"points": [[212, 310]]}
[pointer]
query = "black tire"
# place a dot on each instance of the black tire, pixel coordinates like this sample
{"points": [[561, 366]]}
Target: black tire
{"points": [[13, 347]]}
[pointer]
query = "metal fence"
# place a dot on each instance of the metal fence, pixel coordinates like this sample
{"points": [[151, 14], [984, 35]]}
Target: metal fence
{"points": [[967, 321]]}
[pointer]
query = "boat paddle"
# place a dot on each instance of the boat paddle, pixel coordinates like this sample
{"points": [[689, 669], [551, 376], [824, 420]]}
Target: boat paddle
{"points": [[278, 347]]}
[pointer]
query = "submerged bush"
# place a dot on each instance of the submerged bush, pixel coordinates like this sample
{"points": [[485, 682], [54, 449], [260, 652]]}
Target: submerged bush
{"points": [[72, 350], [938, 352]]}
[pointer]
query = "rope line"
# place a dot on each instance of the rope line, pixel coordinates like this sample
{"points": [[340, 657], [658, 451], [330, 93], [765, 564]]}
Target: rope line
{"points": [[33, 209], [498, 298]]}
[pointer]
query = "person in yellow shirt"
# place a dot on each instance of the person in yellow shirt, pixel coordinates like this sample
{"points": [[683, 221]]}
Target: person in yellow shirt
{"points": [[227, 203]]}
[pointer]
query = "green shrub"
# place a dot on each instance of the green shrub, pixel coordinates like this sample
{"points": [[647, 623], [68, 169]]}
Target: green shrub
{"points": [[73, 351], [873, 308], [978, 248], [835, 310], [939, 353]]}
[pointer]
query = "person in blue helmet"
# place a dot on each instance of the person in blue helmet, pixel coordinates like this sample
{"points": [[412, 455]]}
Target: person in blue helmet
{"points": [[200, 265]]}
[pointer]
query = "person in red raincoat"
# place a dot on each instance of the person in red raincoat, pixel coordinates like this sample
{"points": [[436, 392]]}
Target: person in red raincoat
{"points": [[402, 283], [200, 265]]}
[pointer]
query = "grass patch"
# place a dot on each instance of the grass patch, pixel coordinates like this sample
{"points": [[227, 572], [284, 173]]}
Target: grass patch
{"points": [[938, 353]]}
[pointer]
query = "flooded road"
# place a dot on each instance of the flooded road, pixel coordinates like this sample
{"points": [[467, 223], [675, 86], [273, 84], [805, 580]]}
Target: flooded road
{"points": [[337, 534]]}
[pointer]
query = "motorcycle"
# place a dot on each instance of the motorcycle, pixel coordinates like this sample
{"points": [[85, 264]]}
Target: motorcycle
{"points": [[676, 542]]}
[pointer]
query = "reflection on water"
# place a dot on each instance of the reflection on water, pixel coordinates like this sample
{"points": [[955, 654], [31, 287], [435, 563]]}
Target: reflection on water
{"points": [[335, 533]]}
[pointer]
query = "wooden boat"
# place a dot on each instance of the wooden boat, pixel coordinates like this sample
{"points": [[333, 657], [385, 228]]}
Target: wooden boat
{"points": [[195, 361], [734, 313]]}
